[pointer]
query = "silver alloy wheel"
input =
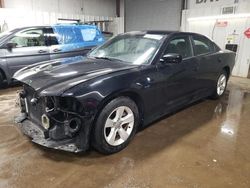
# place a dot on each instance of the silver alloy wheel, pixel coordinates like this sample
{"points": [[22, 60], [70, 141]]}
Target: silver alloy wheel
{"points": [[119, 126], [221, 84]]}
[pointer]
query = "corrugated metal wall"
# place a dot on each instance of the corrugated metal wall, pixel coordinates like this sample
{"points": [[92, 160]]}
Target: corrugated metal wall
{"points": [[86, 7], [18, 18], [152, 14], [19, 13]]}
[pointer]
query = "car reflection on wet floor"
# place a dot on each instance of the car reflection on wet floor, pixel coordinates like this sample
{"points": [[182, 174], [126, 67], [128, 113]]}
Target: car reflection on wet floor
{"points": [[204, 145]]}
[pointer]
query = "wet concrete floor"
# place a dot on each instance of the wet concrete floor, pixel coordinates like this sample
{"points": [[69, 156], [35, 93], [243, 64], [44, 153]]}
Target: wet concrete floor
{"points": [[204, 145]]}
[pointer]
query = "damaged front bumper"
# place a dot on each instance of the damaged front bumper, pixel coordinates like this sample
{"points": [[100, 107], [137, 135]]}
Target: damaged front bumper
{"points": [[39, 136], [55, 122]]}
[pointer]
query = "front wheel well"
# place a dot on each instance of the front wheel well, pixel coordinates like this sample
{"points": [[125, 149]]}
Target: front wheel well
{"points": [[137, 99], [131, 95]]}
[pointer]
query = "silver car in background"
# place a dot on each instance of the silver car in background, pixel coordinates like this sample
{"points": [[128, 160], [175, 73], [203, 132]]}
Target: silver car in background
{"points": [[29, 45]]}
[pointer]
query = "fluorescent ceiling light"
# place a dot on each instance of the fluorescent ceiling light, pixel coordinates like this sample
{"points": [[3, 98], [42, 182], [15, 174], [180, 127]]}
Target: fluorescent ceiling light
{"points": [[219, 17]]}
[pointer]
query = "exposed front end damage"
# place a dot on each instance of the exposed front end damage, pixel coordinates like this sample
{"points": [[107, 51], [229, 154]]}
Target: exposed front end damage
{"points": [[52, 121], [60, 99]]}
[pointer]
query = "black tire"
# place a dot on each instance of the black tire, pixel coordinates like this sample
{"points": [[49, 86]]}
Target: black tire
{"points": [[1, 79], [98, 140], [215, 94]]}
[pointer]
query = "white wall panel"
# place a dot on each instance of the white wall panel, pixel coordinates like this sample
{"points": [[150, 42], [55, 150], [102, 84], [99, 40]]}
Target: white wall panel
{"points": [[203, 20], [99, 7], [20, 4], [19, 18], [44, 5], [88, 7]]}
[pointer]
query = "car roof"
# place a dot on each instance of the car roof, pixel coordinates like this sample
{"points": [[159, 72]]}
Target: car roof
{"points": [[60, 25], [161, 32]]}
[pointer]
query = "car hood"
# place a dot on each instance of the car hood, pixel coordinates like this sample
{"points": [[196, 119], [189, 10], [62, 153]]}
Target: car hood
{"points": [[56, 76]]}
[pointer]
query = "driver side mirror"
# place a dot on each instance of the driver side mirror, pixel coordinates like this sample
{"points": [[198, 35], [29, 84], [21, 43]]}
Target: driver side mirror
{"points": [[10, 45], [171, 58]]}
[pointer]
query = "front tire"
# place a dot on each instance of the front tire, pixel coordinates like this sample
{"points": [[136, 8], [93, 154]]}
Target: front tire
{"points": [[1, 79], [221, 85], [115, 126]]}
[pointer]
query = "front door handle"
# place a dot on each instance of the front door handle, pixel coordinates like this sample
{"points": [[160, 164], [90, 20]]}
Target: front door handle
{"points": [[57, 50], [42, 51]]}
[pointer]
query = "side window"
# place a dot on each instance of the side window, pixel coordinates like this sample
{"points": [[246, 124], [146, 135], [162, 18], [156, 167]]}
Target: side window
{"points": [[29, 38], [202, 45], [90, 35], [76, 34], [180, 45], [66, 35]]}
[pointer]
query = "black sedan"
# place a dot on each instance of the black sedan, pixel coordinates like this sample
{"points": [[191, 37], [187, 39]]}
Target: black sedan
{"points": [[133, 79]]}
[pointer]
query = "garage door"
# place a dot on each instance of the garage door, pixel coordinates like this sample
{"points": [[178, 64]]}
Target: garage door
{"points": [[152, 14]]}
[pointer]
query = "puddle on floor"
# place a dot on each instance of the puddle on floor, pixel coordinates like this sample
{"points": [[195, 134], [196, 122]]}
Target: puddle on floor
{"points": [[204, 145]]}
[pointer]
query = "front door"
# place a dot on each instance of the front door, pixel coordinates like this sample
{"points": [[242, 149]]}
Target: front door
{"points": [[179, 80], [30, 47]]}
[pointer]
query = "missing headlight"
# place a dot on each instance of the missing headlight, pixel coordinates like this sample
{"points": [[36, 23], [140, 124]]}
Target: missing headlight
{"points": [[45, 121]]}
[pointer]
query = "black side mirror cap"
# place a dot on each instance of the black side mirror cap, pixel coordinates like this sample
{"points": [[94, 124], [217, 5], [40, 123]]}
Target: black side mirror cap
{"points": [[171, 58], [10, 45]]}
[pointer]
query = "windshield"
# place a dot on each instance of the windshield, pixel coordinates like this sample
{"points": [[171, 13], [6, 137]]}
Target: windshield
{"points": [[133, 49]]}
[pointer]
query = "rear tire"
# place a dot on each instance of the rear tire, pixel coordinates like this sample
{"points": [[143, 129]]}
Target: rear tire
{"points": [[115, 126], [221, 85]]}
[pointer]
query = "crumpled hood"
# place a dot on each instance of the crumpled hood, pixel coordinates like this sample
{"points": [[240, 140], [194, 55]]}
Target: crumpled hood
{"points": [[59, 75]]}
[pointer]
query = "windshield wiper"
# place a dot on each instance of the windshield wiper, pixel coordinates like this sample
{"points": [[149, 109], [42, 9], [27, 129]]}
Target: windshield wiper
{"points": [[109, 58], [106, 58]]}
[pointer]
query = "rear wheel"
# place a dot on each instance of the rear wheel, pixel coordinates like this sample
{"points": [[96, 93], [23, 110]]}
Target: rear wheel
{"points": [[116, 125], [221, 85]]}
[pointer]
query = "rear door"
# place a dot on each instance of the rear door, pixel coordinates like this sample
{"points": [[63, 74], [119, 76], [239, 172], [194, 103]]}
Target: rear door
{"points": [[208, 59], [67, 41], [30, 48]]}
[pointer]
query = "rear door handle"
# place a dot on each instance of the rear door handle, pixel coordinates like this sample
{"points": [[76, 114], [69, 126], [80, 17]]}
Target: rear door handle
{"points": [[196, 68], [57, 50], [42, 51], [219, 60]]}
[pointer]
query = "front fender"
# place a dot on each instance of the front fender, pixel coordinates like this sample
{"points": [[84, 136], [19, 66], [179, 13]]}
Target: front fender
{"points": [[95, 93]]}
